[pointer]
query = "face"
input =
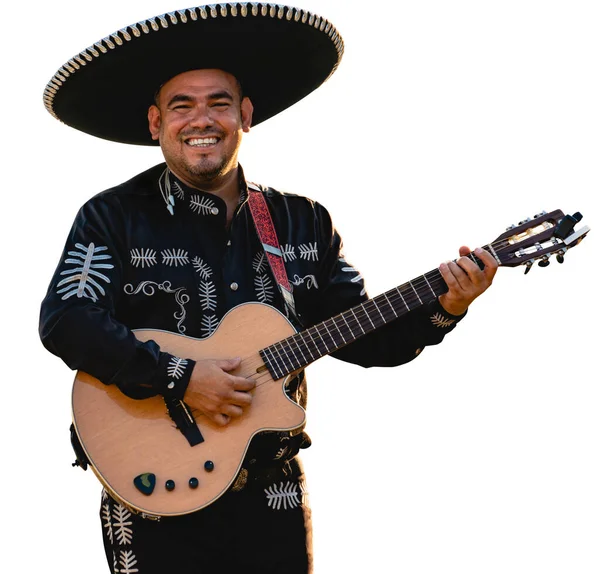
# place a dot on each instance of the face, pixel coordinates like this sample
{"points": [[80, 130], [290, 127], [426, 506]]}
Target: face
{"points": [[199, 120]]}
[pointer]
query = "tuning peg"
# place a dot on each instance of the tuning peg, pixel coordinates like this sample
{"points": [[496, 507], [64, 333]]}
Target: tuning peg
{"points": [[560, 256], [544, 261], [540, 214], [528, 266]]}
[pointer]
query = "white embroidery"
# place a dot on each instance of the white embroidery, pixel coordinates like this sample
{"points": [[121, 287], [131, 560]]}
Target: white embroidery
{"points": [[278, 496], [106, 519], [127, 561], [349, 269], [201, 204], [148, 288], [288, 252], [143, 257], [208, 295], [310, 281], [81, 282], [121, 524], [259, 263], [201, 268], [264, 288], [174, 257], [304, 492], [309, 251], [208, 324], [176, 367], [440, 321], [179, 193]]}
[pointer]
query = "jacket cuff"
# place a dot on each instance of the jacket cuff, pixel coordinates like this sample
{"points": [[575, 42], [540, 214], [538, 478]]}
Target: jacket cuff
{"points": [[173, 376], [441, 319]]}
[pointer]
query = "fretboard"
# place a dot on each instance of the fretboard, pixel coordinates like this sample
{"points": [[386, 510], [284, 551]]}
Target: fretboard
{"points": [[305, 347]]}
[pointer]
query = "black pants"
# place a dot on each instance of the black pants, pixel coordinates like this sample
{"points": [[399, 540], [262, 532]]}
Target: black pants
{"points": [[262, 525]]}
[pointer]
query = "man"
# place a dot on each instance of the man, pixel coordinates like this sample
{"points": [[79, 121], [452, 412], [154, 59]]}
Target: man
{"points": [[177, 247]]}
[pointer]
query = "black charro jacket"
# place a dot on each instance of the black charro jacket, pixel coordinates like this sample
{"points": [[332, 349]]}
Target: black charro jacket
{"points": [[128, 264]]}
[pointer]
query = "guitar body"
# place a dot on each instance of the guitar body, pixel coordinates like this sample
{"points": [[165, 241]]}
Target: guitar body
{"points": [[126, 438]]}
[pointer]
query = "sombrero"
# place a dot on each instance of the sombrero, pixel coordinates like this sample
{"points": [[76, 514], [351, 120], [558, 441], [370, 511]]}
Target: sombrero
{"points": [[278, 53]]}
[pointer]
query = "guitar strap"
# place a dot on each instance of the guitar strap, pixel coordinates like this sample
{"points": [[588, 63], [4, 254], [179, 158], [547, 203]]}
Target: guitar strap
{"points": [[263, 223]]}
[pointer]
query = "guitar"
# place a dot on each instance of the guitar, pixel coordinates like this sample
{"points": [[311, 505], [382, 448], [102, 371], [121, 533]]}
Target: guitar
{"points": [[158, 468]]}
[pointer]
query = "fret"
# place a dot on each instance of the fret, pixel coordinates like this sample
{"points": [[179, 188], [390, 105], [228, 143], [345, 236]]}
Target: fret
{"points": [[274, 368], [429, 285], [416, 293], [287, 362], [321, 338], [401, 297], [293, 352], [391, 306], [367, 314], [378, 309], [299, 348], [339, 331], [301, 335], [315, 343], [349, 328], [329, 333], [354, 314]]}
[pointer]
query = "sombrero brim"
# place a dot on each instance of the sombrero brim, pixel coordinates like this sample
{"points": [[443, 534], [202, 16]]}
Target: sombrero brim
{"points": [[279, 54]]}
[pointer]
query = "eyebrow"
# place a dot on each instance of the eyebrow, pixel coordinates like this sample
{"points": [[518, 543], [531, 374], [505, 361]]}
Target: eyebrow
{"points": [[223, 94]]}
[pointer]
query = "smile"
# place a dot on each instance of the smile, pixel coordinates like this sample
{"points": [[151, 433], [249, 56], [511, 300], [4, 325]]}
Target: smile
{"points": [[202, 142]]}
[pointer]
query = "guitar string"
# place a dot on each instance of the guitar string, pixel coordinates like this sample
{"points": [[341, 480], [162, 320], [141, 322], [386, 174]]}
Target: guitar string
{"points": [[392, 297], [401, 294]]}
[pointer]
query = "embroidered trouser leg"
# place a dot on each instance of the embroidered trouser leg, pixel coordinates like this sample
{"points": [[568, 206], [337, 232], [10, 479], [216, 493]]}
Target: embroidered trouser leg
{"points": [[264, 527]]}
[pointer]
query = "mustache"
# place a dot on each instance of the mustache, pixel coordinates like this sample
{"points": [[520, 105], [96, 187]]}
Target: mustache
{"points": [[195, 133]]}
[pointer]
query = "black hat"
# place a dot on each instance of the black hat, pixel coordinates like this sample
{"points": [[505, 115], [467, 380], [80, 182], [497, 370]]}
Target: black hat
{"points": [[279, 54]]}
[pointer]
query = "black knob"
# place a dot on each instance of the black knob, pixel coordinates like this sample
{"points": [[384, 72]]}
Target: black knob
{"points": [[209, 466], [193, 482], [170, 485]]}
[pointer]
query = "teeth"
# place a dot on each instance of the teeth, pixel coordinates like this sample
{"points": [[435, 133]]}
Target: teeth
{"points": [[202, 141]]}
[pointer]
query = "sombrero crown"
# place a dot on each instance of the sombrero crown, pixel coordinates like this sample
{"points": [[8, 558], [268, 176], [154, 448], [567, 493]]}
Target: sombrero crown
{"points": [[278, 53]]}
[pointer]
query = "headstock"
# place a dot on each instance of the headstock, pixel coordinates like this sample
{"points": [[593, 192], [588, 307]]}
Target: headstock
{"points": [[537, 238]]}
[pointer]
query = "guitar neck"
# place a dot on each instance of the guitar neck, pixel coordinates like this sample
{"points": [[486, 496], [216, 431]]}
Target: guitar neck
{"points": [[303, 348]]}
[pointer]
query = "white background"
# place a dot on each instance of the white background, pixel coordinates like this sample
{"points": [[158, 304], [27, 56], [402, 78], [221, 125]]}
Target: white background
{"points": [[446, 122]]}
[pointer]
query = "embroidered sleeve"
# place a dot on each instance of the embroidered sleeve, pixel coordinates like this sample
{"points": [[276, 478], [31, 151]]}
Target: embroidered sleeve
{"points": [[342, 287], [77, 321]]}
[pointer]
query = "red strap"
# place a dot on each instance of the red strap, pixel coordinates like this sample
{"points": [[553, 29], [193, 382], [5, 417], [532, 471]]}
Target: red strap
{"points": [[268, 237]]}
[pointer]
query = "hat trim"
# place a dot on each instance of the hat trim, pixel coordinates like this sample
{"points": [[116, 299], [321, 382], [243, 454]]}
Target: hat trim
{"points": [[132, 31]]}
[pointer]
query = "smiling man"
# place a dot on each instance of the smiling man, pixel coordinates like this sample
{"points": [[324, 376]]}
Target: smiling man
{"points": [[184, 246]]}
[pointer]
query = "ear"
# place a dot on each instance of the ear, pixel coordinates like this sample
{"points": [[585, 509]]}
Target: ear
{"points": [[247, 111], [154, 122]]}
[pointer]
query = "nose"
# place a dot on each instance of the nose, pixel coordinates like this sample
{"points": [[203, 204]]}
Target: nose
{"points": [[202, 117]]}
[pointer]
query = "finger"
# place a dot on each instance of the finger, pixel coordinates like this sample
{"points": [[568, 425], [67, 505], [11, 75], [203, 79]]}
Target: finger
{"points": [[241, 384], [229, 364], [463, 251], [468, 266], [231, 411], [460, 274], [241, 399], [491, 265], [221, 419]]}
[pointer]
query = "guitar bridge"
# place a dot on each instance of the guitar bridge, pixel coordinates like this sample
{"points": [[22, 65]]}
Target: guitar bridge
{"points": [[183, 418]]}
